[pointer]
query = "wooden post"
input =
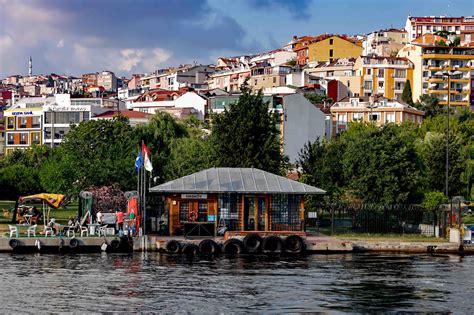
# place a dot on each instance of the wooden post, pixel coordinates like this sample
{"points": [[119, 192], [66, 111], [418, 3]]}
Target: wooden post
{"points": [[267, 209]]}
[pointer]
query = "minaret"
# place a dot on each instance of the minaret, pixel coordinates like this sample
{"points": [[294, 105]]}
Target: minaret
{"points": [[30, 67]]}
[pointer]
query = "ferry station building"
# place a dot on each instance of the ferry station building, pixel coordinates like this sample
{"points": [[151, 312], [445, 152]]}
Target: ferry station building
{"points": [[239, 199]]}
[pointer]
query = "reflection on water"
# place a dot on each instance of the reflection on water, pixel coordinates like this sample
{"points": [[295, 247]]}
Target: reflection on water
{"points": [[162, 283]]}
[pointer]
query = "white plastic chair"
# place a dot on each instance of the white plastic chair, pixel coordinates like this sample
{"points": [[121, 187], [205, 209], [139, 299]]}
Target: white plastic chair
{"points": [[85, 230], [32, 230], [13, 229], [103, 230], [48, 230], [71, 229]]}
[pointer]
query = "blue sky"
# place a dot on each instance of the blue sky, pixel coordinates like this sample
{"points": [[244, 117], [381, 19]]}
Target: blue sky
{"points": [[135, 36]]}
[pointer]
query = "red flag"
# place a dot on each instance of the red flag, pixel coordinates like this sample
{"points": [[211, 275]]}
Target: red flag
{"points": [[146, 158]]}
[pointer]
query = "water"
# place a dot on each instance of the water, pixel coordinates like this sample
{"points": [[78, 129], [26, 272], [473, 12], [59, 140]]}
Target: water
{"points": [[159, 283]]}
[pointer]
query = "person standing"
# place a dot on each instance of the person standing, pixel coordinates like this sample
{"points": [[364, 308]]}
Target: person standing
{"points": [[100, 216], [119, 220]]}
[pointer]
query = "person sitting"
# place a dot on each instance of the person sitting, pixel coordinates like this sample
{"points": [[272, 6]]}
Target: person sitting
{"points": [[52, 225]]}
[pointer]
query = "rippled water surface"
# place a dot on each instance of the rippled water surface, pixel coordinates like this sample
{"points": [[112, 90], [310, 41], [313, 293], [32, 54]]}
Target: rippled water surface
{"points": [[161, 283]]}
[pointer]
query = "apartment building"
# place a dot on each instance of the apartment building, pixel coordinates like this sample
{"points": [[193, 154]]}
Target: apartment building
{"points": [[107, 80], [429, 60], [333, 47], [89, 79], [384, 76], [385, 42], [300, 121], [378, 110], [460, 26]]}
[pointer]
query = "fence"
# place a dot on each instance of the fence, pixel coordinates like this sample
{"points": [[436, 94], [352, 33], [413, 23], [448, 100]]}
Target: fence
{"points": [[367, 218]]}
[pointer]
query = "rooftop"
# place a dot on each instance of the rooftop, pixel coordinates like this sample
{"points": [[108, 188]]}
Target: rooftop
{"points": [[235, 180]]}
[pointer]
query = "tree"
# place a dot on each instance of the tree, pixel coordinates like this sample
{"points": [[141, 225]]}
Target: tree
{"points": [[456, 42], [432, 151], [19, 172], [429, 104], [407, 96], [433, 199], [318, 98], [94, 153], [187, 156], [158, 135], [245, 134], [380, 164]]}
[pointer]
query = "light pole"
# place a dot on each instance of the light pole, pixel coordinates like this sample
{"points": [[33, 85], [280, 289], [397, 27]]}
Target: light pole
{"points": [[448, 75]]}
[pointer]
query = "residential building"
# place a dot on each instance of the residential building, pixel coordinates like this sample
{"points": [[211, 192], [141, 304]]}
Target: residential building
{"points": [[275, 57], [419, 26], [300, 121], [384, 76], [338, 77], [385, 42], [329, 48], [195, 77], [32, 89], [13, 80], [428, 60], [264, 75], [89, 79], [378, 110], [180, 103], [134, 117], [108, 80]]}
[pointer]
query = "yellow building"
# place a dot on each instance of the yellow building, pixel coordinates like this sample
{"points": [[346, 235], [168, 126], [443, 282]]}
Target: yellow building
{"points": [[371, 109], [334, 47], [385, 76], [429, 60]]}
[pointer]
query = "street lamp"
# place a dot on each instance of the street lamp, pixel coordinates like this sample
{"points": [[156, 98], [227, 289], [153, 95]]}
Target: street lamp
{"points": [[448, 74]]}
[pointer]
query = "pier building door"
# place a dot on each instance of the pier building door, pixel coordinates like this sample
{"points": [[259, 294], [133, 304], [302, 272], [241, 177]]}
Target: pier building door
{"points": [[249, 213]]}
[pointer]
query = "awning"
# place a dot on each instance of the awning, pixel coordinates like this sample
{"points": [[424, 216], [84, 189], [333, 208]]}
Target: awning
{"points": [[53, 200]]}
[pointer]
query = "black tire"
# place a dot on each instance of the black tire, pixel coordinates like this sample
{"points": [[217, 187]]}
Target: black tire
{"points": [[115, 244], [272, 245], [233, 246], [14, 243], [190, 249], [73, 243], [294, 244], [173, 247], [252, 243], [208, 247]]}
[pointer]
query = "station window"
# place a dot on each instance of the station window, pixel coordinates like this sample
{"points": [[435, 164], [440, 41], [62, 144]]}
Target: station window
{"points": [[10, 122]]}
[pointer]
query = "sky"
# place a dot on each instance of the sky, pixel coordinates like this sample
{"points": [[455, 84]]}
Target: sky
{"points": [[73, 37]]}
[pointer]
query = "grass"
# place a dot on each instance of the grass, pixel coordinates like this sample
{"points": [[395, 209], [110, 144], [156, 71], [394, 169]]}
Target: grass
{"points": [[61, 215]]}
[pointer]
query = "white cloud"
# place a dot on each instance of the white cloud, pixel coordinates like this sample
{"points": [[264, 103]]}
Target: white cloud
{"points": [[60, 44]]}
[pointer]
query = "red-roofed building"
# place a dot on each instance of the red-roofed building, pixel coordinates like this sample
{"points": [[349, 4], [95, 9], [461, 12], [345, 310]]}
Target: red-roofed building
{"points": [[134, 117]]}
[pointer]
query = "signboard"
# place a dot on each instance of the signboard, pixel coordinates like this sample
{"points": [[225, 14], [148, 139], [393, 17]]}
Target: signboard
{"points": [[71, 108], [194, 196]]}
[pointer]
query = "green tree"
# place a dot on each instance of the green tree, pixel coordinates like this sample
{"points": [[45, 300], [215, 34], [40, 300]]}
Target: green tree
{"points": [[94, 153], [456, 42], [188, 155], [245, 134], [318, 98], [432, 200], [158, 135], [19, 172], [380, 164], [407, 96], [432, 151], [429, 104]]}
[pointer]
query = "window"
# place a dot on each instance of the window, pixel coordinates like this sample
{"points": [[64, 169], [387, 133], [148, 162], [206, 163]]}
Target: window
{"points": [[183, 211], [10, 122], [357, 116], [202, 211], [331, 53], [330, 73], [369, 71], [368, 85], [380, 73], [390, 117], [380, 85], [255, 82], [35, 138], [274, 80], [10, 138], [23, 138], [331, 41], [36, 122], [21, 122], [374, 116], [425, 74], [341, 118]]}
